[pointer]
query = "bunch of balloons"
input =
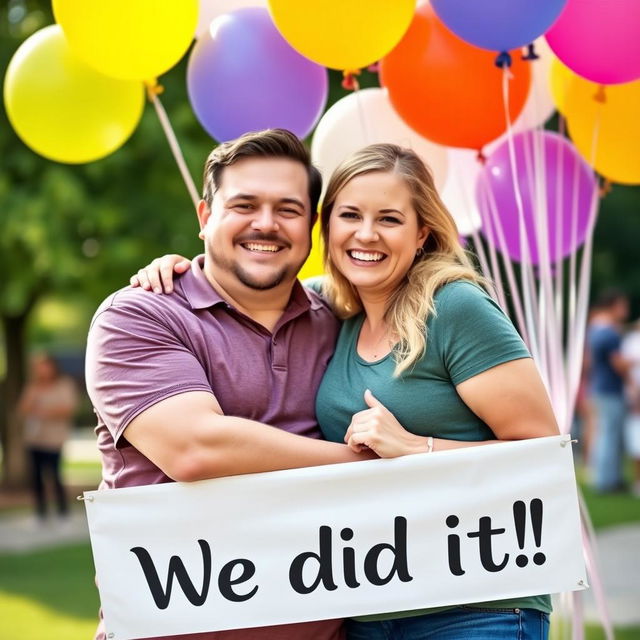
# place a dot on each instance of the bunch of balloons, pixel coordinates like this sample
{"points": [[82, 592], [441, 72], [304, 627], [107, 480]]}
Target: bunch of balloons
{"points": [[74, 91]]}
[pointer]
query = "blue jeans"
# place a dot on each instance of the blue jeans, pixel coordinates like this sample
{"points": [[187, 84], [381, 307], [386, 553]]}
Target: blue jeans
{"points": [[459, 623], [606, 457]]}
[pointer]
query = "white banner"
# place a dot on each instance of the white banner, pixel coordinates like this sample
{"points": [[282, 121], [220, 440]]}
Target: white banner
{"points": [[452, 527]]}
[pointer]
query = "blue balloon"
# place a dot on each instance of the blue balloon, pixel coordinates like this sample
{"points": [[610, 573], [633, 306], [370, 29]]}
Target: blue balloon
{"points": [[244, 76], [498, 25]]}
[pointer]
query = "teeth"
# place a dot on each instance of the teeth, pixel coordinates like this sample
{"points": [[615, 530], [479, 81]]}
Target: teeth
{"points": [[254, 246], [366, 256]]}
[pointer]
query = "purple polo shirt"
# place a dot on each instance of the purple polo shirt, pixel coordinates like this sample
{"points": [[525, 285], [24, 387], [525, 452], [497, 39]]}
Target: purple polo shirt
{"points": [[144, 348]]}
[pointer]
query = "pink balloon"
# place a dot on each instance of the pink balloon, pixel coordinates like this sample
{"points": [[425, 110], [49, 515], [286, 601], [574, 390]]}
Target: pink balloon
{"points": [[599, 39]]}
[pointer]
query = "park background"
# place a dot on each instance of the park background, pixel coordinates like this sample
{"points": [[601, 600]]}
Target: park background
{"points": [[71, 234]]}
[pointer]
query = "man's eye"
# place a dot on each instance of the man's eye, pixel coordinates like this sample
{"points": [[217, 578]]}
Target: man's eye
{"points": [[290, 211], [243, 206]]}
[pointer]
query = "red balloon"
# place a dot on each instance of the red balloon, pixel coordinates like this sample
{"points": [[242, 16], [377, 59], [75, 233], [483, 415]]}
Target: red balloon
{"points": [[450, 91]]}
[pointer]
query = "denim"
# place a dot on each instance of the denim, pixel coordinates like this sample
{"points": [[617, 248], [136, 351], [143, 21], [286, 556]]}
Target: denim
{"points": [[459, 623], [606, 457]]}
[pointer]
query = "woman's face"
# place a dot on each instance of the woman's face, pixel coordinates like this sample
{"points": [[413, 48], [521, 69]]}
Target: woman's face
{"points": [[374, 232]]}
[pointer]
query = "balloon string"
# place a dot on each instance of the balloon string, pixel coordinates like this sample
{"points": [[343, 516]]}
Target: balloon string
{"points": [[590, 549], [526, 276], [494, 220], [494, 271], [153, 89], [362, 114]]}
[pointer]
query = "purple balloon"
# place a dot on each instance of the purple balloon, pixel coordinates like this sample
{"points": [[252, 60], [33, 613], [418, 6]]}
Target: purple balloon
{"points": [[498, 25], [244, 76], [555, 183]]}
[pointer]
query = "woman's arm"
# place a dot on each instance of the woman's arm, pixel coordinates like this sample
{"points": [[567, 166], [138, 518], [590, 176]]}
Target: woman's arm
{"points": [[510, 398]]}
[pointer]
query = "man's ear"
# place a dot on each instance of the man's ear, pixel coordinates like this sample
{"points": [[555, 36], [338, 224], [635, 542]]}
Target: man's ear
{"points": [[203, 215]]}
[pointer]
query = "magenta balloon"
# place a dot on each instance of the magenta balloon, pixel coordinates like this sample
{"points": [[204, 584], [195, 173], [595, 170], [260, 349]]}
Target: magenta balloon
{"points": [[599, 39], [244, 76], [567, 186]]}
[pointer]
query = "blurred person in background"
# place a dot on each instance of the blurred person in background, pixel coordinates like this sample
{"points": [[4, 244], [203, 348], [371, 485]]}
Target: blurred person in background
{"points": [[607, 373], [631, 352], [47, 405]]}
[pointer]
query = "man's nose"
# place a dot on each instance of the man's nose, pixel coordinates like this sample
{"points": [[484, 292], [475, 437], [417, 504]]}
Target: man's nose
{"points": [[265, 219]]}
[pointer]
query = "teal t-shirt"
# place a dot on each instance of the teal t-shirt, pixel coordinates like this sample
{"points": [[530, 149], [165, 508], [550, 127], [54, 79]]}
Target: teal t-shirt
{"points": [[468, 334]]}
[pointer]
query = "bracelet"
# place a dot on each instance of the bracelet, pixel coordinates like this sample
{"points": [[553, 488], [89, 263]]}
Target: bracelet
{"points": [[429, 444]]}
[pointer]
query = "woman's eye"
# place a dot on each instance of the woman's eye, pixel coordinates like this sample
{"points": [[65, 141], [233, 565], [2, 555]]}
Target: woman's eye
{"points": [[349, 215], [391, 220]]}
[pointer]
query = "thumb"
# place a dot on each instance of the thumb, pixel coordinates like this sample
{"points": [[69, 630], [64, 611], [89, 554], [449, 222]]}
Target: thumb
{"points": [[371, 400]]}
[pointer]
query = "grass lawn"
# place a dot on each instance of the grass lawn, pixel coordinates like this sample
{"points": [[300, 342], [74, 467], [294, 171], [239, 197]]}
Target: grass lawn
{"points": [[48, 595]]}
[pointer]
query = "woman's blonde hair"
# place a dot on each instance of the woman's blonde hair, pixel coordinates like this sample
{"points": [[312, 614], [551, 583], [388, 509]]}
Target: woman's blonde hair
{"points": [[441, 260]]}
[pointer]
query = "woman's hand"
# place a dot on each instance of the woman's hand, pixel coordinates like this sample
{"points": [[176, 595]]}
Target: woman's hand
{"points": [[158, 275], [378, 429]]}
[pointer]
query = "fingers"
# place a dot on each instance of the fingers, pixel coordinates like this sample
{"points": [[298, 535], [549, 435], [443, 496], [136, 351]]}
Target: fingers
{"points": [[372, 401], [158, 275], [359, 441]]}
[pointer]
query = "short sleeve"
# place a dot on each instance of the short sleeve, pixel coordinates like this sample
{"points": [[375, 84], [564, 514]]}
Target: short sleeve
{"points": [[135, 359], [472, 332]]}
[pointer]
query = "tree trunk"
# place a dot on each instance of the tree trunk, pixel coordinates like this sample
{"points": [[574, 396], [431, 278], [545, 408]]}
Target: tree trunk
{"points": [[14, 469]]}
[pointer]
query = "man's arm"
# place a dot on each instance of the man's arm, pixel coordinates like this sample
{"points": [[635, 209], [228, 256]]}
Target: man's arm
{"points": [[189, 438]]}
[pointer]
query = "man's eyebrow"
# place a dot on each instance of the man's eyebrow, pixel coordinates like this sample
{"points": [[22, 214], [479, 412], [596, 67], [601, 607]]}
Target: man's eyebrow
{"points": [[292, 201], [242, 196]]}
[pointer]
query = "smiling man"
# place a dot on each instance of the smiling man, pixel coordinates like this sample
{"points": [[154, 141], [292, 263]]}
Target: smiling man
{"points": [[221, 377]]}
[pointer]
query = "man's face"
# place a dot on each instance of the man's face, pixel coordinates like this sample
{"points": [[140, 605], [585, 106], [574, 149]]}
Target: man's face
{"points": [[258, 230]]}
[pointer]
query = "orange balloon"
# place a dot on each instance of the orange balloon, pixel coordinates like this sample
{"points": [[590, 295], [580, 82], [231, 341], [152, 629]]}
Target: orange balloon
{"points": [[450, 91]]}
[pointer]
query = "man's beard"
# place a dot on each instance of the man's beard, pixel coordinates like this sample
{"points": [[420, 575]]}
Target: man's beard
{"points": [[247, 279]]}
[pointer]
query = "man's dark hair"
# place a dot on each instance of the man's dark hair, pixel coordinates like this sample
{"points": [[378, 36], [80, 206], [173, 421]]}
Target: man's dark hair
{"points": [[609, 297], [270, 143]]}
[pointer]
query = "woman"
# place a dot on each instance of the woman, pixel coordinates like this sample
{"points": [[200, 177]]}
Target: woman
{"points": [[425, 360], [47, 405]]}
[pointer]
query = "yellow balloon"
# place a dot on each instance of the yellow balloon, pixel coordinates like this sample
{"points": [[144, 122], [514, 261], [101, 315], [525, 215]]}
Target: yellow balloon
{"points": [[611, 127], [561, 80], [342, 34], [314, 265], [128, 39], [63, 109]]}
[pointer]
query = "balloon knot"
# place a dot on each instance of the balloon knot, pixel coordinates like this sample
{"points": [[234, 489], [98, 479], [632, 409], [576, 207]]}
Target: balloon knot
{"points": [[605, 187], [600, 95], [350, 80], [374, 68], [480, 157], [503, 59], [154, 88], [531, 52]]}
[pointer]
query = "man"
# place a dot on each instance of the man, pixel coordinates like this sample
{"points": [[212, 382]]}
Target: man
{"points": [[186, 385], [608, 370]]}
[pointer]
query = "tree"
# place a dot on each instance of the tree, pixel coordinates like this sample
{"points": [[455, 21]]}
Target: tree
{"points": [[82, 230]]}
